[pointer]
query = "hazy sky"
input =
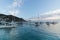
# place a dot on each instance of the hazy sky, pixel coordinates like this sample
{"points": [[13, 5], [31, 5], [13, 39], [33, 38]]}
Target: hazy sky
{"points": [[31, 8]]}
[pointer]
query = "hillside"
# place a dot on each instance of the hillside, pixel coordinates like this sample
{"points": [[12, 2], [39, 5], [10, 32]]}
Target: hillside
{"points": [[9, 18]]}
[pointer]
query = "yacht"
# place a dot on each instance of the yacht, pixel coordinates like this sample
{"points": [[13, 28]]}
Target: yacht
{"points": [[4, 24]]}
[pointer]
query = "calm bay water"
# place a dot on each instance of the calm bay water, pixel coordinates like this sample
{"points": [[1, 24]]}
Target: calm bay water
{"points": [[31, 32]]}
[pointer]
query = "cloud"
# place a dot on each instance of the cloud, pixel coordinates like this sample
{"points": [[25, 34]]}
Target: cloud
{"points": [[17, 3], [14, 7], [51, 15], [52, 18], [48, 16], [14, 12]]}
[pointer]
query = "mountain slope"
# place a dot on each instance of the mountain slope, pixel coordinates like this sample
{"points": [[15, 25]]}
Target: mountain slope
{"points": [[9, 18]]}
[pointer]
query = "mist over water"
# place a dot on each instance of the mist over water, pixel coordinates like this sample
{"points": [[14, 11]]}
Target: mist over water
{"points": [[31, 32]]}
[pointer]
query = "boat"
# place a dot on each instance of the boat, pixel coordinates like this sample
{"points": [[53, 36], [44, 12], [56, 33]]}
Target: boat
{"points": [[7, 24], [36, 24]]}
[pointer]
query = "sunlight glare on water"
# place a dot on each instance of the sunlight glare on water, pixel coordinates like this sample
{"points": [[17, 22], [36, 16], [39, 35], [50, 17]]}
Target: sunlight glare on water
{"points": [[55, 29]]}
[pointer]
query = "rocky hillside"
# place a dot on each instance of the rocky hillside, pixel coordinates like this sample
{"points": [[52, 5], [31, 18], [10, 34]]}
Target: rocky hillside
{"points": [[9, 18]]}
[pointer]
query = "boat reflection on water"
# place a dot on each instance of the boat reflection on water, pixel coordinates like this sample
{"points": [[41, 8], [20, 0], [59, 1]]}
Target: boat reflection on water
{"points": [[7, 30]]}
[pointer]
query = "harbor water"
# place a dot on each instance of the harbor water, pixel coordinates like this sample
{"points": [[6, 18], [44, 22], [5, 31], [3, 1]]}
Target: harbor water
{"points": [[31, 32]]}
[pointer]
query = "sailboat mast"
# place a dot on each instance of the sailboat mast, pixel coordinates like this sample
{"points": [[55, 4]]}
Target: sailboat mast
{"points": [[38, 15]]}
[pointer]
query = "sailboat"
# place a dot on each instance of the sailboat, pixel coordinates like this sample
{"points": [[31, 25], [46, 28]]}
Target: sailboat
{"points": [[4, 24]]}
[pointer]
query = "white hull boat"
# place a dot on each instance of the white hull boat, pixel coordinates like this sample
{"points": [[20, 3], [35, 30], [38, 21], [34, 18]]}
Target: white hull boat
{"points": [[8, 25]]}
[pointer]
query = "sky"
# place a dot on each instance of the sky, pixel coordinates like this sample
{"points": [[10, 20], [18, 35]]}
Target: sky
{"points": [[45, 9]]}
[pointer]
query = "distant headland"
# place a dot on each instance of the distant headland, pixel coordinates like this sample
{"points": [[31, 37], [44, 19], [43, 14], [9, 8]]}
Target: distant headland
{"points": [[9, 18]]}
